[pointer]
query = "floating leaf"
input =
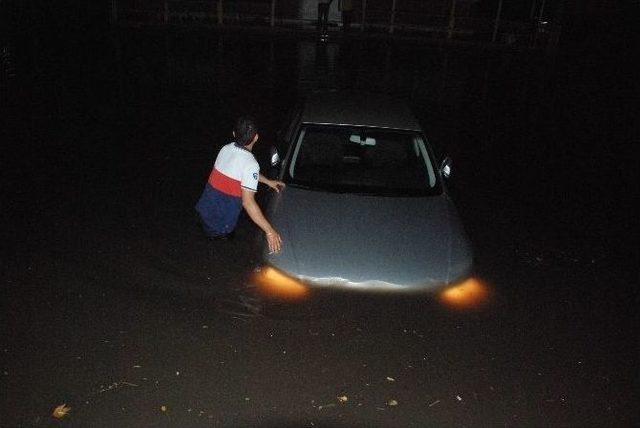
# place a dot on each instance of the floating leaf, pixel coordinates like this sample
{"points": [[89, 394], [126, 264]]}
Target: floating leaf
{"points": [[392, 403], [343, 399], [61, 411]]}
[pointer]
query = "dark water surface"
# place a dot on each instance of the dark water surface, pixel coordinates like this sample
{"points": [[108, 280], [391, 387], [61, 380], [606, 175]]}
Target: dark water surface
{"points": [[110, 293]]}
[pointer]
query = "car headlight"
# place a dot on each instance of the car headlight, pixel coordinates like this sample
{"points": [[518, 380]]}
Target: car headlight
{"points": [[276, 283], [471, 292]]}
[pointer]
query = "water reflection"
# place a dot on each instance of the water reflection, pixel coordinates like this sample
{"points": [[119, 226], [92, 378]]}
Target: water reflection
{"points": [[191, 62]]}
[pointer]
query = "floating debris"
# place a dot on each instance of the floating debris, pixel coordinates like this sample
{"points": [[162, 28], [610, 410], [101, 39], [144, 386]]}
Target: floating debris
{"points": [[61, 411], [115, 385], [390, 379], [392, 403], [343, 399], [326, 406]]}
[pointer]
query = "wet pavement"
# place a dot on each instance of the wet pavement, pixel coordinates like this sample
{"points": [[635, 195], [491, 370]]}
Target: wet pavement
{"points": [[115, 305]]}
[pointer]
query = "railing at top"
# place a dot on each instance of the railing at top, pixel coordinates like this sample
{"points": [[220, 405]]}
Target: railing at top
{"points": [[452, 20]]}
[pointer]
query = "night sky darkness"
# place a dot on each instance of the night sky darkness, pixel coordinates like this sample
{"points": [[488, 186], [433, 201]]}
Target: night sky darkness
{"points": [[115, 305]]}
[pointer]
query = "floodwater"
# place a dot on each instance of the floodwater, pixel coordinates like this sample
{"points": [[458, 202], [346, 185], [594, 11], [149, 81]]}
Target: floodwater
{"points": [[111, 297]]}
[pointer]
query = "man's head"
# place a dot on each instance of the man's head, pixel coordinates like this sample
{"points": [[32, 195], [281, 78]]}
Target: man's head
{"points": [[245, 131]]}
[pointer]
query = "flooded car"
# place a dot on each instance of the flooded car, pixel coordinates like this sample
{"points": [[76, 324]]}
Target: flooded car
{"points": [[365, 206]]}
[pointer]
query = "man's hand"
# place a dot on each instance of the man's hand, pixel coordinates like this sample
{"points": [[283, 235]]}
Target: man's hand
{"points": [[274, 241], [276, 185]]}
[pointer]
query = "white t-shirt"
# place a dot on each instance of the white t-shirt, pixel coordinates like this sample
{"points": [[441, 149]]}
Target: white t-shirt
{"points": [[235, 169]]}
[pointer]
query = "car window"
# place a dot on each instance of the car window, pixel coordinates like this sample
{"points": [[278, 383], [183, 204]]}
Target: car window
{"points": [[361, 160]]}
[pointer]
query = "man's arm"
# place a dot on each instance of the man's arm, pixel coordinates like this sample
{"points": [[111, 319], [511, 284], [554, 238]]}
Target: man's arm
{"points": [[251, 206]]}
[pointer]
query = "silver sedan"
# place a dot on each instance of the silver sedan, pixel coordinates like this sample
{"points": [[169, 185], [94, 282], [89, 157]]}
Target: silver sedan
{"points": [[366, 204]]}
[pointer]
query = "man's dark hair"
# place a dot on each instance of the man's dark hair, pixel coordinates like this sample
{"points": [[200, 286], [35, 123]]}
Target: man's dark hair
{"points": [[245, 130]]}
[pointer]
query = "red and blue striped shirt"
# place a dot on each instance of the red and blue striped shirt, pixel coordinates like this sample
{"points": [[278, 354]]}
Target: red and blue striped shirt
{"points": [[235, 169]]}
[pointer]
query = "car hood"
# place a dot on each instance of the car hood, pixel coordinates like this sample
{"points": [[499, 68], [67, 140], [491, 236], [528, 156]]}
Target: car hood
{"points": [[369, 241]]}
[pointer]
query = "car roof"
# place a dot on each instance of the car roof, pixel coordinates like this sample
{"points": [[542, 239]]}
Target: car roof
{"points": [[358, 109]]}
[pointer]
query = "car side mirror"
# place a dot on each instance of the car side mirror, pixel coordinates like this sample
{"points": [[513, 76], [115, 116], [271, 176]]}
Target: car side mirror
{"points": [[445, 167], [275, 157]]}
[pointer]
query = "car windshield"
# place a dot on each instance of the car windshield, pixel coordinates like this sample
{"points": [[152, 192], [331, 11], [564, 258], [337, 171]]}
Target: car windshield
{"points": [[362, 160]]}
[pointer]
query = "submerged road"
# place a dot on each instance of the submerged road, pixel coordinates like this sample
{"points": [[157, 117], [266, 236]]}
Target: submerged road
{"points": [[114, 305], [541, 353]]}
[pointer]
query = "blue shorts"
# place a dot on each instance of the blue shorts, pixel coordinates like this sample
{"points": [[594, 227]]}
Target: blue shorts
{"points": [[218, 211]]}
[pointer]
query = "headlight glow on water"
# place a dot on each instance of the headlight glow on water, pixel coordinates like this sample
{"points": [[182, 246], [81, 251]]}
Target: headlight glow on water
{"points": [[275, 283], [467, 294]]}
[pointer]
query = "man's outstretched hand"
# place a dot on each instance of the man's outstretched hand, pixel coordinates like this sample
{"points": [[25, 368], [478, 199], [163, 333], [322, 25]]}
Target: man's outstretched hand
{"points": [[274, 241]]}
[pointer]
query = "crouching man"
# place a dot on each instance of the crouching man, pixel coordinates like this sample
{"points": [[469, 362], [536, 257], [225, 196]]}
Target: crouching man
{"points": [[232, 185]]}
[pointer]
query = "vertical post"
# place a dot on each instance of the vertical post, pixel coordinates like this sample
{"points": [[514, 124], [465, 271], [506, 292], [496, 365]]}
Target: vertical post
{"points": [[393, 16], [541, 11], [538, 23], [497, 23], [114, 11], [165, 14], [273, 13], [220, 11], [452, 19], [364, 14]]}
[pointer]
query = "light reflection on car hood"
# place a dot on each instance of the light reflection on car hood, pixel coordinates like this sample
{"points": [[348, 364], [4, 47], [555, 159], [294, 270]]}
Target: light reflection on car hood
{"points": [[373, 242]]}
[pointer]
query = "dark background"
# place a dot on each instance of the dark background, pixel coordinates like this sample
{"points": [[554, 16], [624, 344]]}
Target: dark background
{"points": [[112, 300]]}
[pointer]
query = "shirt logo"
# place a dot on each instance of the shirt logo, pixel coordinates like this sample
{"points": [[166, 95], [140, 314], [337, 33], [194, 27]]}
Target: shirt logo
{"points": [[255, 175]]}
